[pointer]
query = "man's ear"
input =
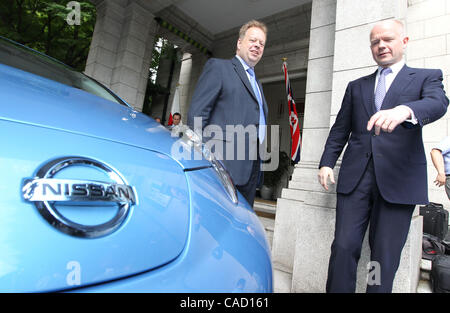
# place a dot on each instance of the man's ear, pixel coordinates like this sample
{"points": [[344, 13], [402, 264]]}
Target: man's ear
{"points": [[405, 41]]}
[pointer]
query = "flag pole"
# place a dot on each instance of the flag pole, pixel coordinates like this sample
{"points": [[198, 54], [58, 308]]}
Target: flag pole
{"points": [[294, 124]]}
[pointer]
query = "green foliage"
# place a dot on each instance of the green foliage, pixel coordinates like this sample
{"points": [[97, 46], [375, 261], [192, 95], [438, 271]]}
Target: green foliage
{"points": [[162, 49], [42, 25]]}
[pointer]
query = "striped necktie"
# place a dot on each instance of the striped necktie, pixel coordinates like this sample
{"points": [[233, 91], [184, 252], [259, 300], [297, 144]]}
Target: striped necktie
{"points": [[380, 91]]}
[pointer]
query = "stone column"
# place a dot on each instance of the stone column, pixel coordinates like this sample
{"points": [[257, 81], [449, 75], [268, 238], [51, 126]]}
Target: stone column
{"points": [[184, 83], [133, 59], [173, 87], [105, 40], [191, 69], [304, 226], [303, 186], [121, 48]]}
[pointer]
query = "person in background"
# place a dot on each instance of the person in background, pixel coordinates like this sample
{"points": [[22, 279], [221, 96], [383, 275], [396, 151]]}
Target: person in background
{"points": [[177, 128], [176, 119]]}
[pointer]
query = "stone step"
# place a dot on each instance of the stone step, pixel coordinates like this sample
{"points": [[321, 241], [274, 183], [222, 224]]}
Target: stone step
{"points": [[266, 211], [425, 265], [282, 281], [424, 285], [268, 224], [318, 198], [265, 206]]}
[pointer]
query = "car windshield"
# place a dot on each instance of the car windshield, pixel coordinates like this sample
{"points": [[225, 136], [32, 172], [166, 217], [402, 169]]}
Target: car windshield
{"points": [[21, 57]]}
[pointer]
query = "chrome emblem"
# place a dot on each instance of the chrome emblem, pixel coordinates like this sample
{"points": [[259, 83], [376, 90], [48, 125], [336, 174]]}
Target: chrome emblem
{"points": [[46, 191]]}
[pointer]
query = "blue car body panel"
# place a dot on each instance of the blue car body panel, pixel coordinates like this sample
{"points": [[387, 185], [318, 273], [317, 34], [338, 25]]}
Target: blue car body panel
{"points": [[183, 234], [227, 250], [32, 99], [35, 254]]}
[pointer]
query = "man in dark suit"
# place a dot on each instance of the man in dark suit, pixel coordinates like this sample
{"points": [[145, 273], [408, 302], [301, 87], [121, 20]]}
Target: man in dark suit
{"points": [[229, 103], [383, 174]]}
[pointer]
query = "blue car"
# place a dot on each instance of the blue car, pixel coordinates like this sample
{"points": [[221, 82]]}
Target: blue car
{"points": [[96, 197]]}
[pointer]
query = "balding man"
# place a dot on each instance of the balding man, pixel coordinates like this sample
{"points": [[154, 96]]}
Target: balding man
{"points": [[383, 173]]}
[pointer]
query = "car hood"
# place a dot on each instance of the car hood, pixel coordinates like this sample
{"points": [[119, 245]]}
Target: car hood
{"points": [[31, 99], [43, 123]]}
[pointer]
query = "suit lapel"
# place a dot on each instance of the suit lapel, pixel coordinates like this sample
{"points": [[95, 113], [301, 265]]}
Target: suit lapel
{"points": [[368, 87], [243, 76], [401, 81]]}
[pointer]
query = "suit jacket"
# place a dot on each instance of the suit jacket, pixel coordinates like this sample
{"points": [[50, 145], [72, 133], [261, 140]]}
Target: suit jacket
{"points": [[398, 157], [224, 96]]}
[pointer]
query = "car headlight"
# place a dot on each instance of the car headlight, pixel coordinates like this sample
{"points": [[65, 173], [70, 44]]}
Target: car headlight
{"points": [[195, 140], [223, 174]]}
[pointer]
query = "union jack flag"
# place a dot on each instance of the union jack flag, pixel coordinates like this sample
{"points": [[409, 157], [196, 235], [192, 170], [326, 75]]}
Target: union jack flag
{"points": [[293, 119]]}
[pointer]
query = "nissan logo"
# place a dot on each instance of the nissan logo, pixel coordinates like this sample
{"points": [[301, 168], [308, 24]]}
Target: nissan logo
{"points": [[45, 191]]}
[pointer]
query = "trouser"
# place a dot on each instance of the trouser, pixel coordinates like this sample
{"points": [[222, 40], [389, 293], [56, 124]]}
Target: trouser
{"points": [[249, 189], [447, 186], [389, 227]]}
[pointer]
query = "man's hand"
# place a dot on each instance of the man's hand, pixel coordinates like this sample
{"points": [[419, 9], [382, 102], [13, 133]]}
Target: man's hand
{"points": [[323, 175], [440, 179], [388, 120]]}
